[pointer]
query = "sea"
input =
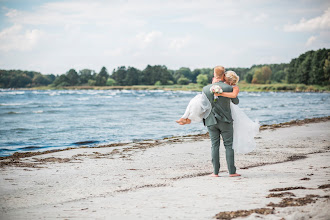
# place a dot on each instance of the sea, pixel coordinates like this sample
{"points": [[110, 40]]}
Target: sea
{"points": [[38, 120]]}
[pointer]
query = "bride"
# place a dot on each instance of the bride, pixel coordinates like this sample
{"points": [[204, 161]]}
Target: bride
{"points": [[244, 128]]}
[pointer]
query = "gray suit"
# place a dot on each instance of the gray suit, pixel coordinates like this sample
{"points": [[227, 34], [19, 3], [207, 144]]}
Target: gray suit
{"points": [[220, 122]]}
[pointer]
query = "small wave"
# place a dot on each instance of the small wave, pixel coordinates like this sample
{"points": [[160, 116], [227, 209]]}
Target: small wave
{"points": [[13, 92], [83, 99], [126, 91], [30, 148], [20, 129], [53, 93], [38, 112], [6, 149], [11, 104], [12, 113], [85, 142]]}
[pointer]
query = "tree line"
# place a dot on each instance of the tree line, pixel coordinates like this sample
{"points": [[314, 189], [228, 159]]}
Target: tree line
{"points": [[312, 67]]}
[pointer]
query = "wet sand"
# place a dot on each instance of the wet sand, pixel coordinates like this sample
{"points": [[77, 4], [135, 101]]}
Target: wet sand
{"points": [[288, 175]]}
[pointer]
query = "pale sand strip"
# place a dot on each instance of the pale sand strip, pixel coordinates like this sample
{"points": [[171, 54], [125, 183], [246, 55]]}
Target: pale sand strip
{"points": [[168, 180]]}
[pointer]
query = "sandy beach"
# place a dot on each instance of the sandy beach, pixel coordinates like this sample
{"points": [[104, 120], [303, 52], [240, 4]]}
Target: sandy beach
{"points": [[286, 177]]}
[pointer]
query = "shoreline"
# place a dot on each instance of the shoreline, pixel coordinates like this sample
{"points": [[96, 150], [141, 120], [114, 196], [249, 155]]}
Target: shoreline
{"points": [[244, 87], [17, 155], [286, 176]]}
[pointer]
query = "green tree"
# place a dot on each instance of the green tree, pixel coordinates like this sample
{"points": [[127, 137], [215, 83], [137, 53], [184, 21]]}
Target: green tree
{"points": [[73, 77], [257, 76], [62, 80], [303, 70], [158, 83], [111, 82], [279, 76], [249, 77], [262, 75], [152, 74], [102, 77], [183, 81], [119, 75], [202, 79], [133, 77], [194, 74], [266, 73], [85, 75], [91, 82], [40, 79], [326, 70]]}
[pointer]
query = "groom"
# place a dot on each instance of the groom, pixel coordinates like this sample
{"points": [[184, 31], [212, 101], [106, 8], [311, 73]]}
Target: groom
{"points": [[220, 122]]}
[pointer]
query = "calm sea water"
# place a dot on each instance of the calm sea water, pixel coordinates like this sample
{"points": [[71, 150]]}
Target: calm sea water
{"points": [[43, 120]]}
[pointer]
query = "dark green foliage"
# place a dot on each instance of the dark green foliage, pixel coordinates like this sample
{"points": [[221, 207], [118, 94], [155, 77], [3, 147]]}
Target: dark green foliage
{"points": [[72, 77], [249, 77], [279, 76], [312, 67], [85, 75], [241, 72], [202, 80], [102, 77], [22, 79], [152, 74], [119, 75], [183, 81], [184, 72], [309, 69], [126, 77], [62, 80]]}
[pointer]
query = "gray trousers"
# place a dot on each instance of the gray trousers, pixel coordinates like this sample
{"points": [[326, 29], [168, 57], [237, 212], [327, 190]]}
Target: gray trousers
{"points": [[226, 131]]}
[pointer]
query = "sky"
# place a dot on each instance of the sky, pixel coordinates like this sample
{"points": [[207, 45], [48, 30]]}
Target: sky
{"points": [[52, 36]]}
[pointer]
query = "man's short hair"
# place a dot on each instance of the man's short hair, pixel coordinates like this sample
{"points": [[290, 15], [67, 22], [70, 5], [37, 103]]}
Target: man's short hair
{"points": [[219, 71]]}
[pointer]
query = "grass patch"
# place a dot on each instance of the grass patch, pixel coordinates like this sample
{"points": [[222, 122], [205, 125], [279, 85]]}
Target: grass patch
{"points": [[277, 87]]}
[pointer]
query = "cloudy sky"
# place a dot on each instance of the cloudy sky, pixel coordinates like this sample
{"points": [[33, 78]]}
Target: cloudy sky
{"points": [[54, 36]]}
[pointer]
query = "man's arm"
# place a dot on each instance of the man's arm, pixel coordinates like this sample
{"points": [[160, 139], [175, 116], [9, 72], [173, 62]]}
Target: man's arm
{"points": [[235, 100], [231, 95]]}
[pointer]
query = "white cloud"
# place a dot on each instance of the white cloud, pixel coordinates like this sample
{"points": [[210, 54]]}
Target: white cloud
{"points": [[311, 40], [59, 35], [14, 38], [179, 43], [147, 39], [11, 12], [319, 23], [268, 60], [260, 18], [114, 52]]}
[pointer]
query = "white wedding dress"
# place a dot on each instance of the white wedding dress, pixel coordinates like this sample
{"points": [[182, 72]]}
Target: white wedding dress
{"points": [[244, 131], [198, 108]]}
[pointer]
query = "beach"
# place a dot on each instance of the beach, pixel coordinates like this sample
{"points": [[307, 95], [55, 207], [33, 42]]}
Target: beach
{"points": [[287, 176]]}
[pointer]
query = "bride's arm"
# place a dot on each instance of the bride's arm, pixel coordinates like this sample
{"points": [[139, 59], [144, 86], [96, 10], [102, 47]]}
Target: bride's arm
{"points": [[232, 94]]}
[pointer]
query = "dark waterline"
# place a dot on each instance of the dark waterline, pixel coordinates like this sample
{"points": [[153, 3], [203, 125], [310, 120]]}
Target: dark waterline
{"points": [[55, 119]]}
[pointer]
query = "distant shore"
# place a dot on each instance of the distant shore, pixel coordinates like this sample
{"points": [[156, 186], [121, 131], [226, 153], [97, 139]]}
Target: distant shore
{"points": [[286, 176], [279, 87]]}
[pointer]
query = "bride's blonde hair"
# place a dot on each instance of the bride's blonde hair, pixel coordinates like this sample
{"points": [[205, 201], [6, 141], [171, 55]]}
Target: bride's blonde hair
{"points": [[232, 77]]}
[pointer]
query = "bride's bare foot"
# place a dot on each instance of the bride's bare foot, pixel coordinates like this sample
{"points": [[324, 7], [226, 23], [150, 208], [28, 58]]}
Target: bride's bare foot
{"points": [[235, 174], [180, 121], [214, 175], [183, 121]]}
